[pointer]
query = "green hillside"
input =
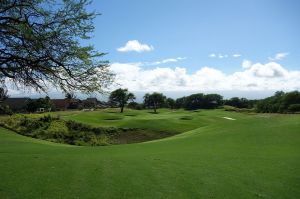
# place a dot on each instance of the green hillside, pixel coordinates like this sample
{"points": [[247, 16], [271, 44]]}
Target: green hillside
{"points": [[253, 156]]}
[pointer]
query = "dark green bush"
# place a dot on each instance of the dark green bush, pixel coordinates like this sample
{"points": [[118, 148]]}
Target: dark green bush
{"points": [[294, 108]]}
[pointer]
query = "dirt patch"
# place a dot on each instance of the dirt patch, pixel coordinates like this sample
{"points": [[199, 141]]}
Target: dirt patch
{"points": [[139, 135]]}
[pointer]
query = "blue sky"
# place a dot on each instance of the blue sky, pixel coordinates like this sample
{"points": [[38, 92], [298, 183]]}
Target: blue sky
{"points": [[255, 29], [244, 48]]}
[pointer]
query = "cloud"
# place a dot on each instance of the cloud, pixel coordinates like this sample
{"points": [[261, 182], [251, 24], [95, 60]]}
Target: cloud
{"points": [[254, 77], [246, 64], [165, 61], [236, 55], [278, 56], [221, 56], [135, 45], [257, 77], [269, 70]]}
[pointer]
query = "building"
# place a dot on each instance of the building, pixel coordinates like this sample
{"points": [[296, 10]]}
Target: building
{"points": [[17, 104], [61, 104]]}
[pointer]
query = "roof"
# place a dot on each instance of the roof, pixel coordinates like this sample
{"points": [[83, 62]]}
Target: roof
{"points": [[60, 103], [16, 103]]}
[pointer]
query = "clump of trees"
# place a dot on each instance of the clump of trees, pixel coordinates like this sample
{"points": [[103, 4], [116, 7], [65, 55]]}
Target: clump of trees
{"points": [[280, 102], [154, 100], [170, 103], [120, 98], [34, 104], [240, 102], [199, 101], [135, 105]]}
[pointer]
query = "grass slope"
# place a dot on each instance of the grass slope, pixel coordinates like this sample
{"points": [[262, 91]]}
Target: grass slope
{"points": [[255, 156]]}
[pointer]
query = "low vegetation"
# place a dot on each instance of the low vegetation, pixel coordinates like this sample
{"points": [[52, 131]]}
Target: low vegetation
{"points": [[75, 133]]}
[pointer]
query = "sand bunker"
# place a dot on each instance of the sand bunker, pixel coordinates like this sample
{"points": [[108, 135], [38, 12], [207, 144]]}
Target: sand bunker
{"points": [[228, 118]]}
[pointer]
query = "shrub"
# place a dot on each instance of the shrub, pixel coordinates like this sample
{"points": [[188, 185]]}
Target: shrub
{"points": [[101, 140], [55, 129], [294, 108], [58, 129], [5, 110]]}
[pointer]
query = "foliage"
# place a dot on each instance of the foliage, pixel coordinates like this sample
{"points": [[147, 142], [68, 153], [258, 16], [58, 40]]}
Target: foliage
{"points": [[280, 102], [34, 104], [135, 105], [4, 109], [70, 96], [154, 100], [170, 103], [41, 44], [120, 97], [294, 108], [180, 102], [240, 102], [70, 132], [88, 104], [198, 101]]}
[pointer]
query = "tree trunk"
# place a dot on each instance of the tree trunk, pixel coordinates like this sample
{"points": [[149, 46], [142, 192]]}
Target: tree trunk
{"points": [[154, 108], [122, 107]]}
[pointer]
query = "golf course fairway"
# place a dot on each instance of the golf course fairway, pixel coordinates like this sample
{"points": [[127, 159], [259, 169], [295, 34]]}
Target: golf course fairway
{"points": [[247, 156]]}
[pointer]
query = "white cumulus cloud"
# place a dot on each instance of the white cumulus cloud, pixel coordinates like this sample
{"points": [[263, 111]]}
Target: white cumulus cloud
{"points": [[258, 76], [135, 45]]}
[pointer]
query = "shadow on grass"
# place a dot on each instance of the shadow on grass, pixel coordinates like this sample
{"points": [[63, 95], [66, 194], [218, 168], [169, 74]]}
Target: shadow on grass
{"points": [[131, 115], [186, 118], [113, 118], [154, 112]]}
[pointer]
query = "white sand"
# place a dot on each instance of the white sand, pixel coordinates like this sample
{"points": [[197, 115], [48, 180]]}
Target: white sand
{"points": [[228, 118]]}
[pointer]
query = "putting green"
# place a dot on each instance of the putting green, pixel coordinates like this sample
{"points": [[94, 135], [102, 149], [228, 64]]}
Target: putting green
{"points": [[253, 156]]}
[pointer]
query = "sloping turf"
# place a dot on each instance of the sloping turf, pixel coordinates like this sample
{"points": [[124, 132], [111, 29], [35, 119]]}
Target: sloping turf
{"points": [[254, 156]]}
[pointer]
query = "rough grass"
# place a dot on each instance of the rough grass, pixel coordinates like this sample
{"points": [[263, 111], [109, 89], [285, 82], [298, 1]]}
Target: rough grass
{"points": [[54, 129], [252, 157]]}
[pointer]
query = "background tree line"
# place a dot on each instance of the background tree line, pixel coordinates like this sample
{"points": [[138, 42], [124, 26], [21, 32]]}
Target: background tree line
{"points": [[279, 103]]}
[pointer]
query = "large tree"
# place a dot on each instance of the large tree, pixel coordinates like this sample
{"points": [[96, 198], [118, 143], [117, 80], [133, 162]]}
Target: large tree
{"points": [[41, 45], [120, 97], [154, 100], [170, 103]]}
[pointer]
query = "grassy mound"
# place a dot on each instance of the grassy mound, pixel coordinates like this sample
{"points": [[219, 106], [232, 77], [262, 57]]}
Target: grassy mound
{"points": [[70, 132]]}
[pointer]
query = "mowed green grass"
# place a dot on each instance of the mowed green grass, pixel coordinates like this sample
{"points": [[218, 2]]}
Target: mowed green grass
{"points": [[254, 156]]}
